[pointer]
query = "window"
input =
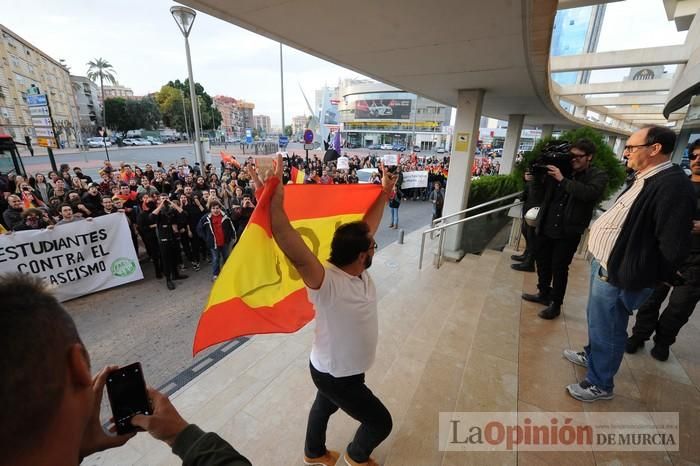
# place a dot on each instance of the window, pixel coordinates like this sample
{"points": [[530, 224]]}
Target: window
{"points": [[15, 61]]}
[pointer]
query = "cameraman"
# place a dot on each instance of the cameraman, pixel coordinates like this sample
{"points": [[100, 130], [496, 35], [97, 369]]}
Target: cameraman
{"points": [[566, 210]]}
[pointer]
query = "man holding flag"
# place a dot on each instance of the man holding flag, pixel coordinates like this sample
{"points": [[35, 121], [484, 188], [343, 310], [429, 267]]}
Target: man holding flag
{"points": [[345, 339]]}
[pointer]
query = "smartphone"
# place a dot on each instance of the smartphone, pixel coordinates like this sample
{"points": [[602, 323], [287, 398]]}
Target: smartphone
{"points": [[126, 389]]}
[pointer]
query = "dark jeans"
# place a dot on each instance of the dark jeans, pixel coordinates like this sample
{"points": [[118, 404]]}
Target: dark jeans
{"points": [[680, 307], [169, 255], [553, 257], [352, 396]]}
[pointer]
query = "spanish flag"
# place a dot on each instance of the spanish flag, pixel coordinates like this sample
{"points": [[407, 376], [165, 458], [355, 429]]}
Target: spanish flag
{"points": [[230, 159], [296, 176], [258, 290]]}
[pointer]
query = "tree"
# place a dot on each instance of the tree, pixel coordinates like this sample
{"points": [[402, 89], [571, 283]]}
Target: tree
{"points": [[124, 115], [205, 103], [101, 69], [288, 130], [170, 102]]}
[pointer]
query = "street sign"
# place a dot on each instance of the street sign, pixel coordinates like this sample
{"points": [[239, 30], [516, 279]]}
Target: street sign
{"points": [[308, 147], [284, 140], [39, 111], [47, 142], [308, 136], [248, 136], [36, 99], [46, 132], [41, 121]]}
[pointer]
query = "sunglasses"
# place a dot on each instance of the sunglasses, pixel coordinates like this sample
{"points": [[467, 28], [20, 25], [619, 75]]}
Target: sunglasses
{"points": [[694, 156]]}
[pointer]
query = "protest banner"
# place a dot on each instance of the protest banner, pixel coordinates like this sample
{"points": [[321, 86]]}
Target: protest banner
{"points": [[391, 160], [76, 258], [343, 163], [417, 179]]}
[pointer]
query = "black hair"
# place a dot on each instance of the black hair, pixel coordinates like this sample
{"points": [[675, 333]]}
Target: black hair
{"points": [[693, 145], [585, 145], [663, 136], [35, 335], [349, 241]]}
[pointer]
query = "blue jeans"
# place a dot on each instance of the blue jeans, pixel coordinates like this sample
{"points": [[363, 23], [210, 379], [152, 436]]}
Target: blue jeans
{"points": [[218, 258], [608, 311], [394, 215]]}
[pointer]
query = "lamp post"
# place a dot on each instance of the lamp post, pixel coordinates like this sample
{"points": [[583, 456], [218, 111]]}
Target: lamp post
{"points": [[184, 17]]}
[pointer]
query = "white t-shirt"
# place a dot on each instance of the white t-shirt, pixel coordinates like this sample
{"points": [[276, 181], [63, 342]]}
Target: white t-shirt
{"points": [[345, 339]]}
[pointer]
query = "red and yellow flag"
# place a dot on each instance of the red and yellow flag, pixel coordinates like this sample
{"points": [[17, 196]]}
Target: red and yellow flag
{"points": [[259, 291], [230, 159], [296, 176]]}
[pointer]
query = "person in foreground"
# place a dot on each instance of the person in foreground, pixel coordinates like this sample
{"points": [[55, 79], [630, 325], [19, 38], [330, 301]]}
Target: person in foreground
{"points": [[345, 338], [50, 403], [639, 242]]}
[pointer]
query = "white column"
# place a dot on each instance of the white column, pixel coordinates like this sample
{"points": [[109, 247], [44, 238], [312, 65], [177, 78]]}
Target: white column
{"points": [[619, 146], [512, 143], [681, 143], [547, 131], [466, 133]]}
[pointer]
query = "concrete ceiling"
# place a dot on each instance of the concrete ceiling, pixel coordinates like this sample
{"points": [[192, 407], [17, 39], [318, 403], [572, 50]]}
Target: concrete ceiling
{"points": [[433, 48]]}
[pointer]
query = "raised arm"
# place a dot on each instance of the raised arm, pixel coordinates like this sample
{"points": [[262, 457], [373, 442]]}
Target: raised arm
{"points": [[373, 217], [290, 241]]}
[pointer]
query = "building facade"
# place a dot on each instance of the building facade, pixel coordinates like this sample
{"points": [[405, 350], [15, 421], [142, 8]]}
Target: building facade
{"points": [[118, 91], [21, 66], [263, 124], [87, 98], [299, 124], [237, 116], [373, 113]]}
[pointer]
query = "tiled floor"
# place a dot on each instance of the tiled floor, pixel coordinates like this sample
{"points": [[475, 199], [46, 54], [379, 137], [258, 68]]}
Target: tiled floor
{"points": [[455, 339]]}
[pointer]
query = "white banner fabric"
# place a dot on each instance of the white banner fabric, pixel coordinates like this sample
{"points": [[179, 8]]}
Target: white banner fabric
{"points": [[418, 179], [76, 258]]}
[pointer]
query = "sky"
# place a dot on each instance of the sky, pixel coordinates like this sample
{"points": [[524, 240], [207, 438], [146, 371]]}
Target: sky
{"points": [[143, 43]]}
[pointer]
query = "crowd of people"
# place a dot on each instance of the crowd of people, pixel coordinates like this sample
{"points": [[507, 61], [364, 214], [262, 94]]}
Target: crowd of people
{"points": [[179, 214]]}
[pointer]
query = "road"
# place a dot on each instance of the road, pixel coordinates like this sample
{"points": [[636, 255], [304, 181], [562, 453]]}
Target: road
{"points": [[92, 160]]}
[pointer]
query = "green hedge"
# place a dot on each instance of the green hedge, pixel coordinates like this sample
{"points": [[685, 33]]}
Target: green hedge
{"points": [[487, 188], [605, 158]]}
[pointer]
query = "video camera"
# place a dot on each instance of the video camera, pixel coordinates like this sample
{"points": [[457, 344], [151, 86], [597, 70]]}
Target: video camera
{"points": [[557, 153]]}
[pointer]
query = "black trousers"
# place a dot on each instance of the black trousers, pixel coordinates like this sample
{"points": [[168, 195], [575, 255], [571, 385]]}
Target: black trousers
{"points": [[169, 256], [680, 307], [528, 233], [352, 396], [552, 258], [151, 243]]}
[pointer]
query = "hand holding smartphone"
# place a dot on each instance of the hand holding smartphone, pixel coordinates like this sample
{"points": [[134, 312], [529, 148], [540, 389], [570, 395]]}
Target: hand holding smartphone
{"points": [[126, 389]]}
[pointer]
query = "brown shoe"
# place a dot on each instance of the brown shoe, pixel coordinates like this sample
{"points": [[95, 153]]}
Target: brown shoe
{"points": [[350, 462], [329, 459]]}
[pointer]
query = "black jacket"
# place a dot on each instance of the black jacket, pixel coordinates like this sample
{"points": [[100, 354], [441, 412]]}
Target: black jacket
{"points": [[584, 190], [206, 231], [655, 237]]}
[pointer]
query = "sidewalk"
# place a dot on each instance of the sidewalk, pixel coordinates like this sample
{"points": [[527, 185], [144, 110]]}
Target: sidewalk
{"points": [[455, 339]]}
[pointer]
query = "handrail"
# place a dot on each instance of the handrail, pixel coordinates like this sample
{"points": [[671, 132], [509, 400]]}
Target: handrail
{"points": [[447, 225], [476, 207]]}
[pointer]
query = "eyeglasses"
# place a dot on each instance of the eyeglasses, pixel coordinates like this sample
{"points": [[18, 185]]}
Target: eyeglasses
{"points": [[374, 245], [634, 147]]}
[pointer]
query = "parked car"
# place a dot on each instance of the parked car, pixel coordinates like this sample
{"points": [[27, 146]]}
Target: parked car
{"points": [[399, 148], [129, 142], [98, 142], [374, 147], [441, 150], [416, 148], [386, 147], [153, 141], [141, 142]]}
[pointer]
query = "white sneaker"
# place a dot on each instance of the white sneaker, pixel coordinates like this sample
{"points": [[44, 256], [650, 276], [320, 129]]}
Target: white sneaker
{"points": [[586, 391], [578, 358]]}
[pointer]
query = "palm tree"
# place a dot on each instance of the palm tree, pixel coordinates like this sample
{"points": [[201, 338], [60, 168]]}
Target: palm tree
{"points": [[102, 69]]}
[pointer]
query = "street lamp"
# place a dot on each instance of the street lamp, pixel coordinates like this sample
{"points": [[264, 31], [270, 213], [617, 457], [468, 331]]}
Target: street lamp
{"points": [[184, 17]]}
